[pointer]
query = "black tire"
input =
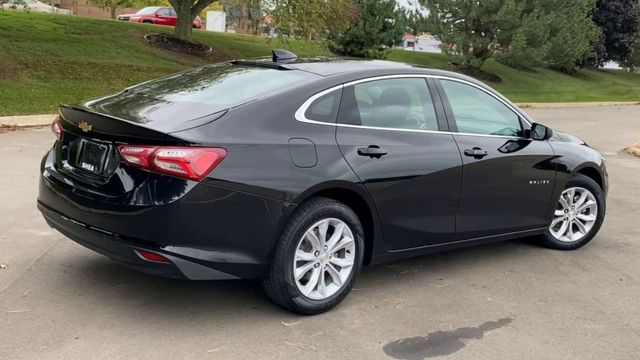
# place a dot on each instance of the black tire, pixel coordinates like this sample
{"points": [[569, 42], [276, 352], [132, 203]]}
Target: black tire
{"points": [[579, 180], [279, 284]]}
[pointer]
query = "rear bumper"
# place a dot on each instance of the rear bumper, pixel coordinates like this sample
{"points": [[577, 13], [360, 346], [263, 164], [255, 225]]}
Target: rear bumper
{"points": [[122, 251], [208, 232]]}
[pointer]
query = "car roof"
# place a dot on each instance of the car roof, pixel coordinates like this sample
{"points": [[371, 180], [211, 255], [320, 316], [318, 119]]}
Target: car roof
{"points": [[343, 67], [328, 67]]}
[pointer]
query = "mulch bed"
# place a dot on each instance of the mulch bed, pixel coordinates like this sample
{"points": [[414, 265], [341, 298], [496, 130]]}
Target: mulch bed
{"points": [[168, 42]]}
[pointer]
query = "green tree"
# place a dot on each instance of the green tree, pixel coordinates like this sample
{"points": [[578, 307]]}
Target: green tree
{"points": [[380, 26], [470, 28], [526, 42], [633, 61], [311, 19], [572, 34], [618, 20], [520, 33]]}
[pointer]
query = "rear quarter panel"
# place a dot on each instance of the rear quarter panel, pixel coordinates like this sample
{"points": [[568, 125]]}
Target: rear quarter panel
{"points": [[257, 137]]}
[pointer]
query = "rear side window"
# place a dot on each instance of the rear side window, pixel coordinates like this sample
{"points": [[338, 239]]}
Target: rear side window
{"points": [[164, 12], [477, 112], [403, 103], [325, 108]]}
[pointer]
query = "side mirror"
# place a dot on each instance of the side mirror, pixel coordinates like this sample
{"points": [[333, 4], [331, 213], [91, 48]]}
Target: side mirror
{"points": [[540, 132]]}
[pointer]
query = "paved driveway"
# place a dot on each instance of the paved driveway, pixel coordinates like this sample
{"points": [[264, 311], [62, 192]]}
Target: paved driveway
{"points": [[500, 301]]}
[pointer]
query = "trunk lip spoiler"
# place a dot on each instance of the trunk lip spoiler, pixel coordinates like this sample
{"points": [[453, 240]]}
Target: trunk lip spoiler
{"points": [[187, 125]]}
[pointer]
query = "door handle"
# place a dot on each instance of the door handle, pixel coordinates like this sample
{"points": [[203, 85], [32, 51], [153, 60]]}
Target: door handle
{"points": [[372, 151], [476, 152]]}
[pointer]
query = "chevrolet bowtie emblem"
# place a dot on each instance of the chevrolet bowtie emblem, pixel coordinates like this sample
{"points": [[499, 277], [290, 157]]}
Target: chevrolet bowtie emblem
{"points": [[85, 126]]}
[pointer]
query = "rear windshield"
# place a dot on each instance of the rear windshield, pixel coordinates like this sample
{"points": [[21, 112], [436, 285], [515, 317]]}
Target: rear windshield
{"points": [[197, 93]]}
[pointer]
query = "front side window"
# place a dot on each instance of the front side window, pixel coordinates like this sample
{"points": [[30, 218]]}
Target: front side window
{"points": [[402, 103], [476, 112]]}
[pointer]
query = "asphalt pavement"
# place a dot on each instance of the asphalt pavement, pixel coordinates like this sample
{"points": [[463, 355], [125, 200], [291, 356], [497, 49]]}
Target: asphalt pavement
{"points": [[511, 300]]}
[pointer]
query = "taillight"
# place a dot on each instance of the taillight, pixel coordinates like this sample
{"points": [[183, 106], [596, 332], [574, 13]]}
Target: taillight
{"points": [[57, 129], [193, 163]]}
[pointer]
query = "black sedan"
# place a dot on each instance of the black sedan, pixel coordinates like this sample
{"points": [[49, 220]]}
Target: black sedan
{"points": [[298, 173]]}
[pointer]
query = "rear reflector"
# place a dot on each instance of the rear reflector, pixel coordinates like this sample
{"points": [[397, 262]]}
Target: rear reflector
{"points": [[193, 163], [151, 256], [57, 129]]}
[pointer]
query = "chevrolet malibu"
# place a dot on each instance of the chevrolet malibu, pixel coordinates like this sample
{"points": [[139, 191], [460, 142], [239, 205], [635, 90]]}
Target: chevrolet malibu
{"points": [[298, 173]]}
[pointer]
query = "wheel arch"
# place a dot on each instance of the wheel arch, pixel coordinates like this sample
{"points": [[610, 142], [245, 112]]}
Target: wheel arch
{"points": [[356, 198], [591, 171]]}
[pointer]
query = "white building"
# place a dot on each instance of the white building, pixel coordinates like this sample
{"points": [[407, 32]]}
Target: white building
{"points": [[423, 42]]}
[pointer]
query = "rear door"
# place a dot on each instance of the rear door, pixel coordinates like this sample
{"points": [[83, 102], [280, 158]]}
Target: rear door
{"points": [[165, 17], [508, 178], [389, 133]]}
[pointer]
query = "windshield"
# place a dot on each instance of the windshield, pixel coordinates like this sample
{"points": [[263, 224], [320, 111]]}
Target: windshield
{"points": [[147, 11], [197, 93]]}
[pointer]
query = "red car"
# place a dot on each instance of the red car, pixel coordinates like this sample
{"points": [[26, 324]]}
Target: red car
{"points": [[157, 15]]}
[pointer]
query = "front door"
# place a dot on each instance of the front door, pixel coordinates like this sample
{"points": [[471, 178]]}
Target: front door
{"points": [[388, 132], [508, 178]]}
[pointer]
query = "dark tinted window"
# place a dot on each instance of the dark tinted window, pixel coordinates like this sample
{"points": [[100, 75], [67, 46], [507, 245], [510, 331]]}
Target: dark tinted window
{"points": [[477, 112], [325, 108], [403, 103]]}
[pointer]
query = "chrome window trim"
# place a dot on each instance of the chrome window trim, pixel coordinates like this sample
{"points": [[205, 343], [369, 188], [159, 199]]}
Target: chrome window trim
{"points": [[300, 113]]}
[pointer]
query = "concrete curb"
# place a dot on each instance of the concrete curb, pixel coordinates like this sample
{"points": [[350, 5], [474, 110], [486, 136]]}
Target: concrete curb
{"points": [[577, 104], [27, 120]]}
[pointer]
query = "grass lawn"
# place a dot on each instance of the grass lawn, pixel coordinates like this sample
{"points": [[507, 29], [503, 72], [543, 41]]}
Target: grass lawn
{"points": [[50, 59], [545, 85]]}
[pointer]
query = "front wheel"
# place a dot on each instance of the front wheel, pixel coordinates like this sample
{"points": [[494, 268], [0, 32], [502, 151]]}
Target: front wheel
{"points": [[578, 215], [317, 258]]}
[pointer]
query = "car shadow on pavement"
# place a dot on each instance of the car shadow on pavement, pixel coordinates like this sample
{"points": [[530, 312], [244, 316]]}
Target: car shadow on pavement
{"points": [[121, 288]]}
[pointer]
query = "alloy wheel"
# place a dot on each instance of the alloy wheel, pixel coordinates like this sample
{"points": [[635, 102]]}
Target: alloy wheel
{"points": [[575, 215], [324, 259]]}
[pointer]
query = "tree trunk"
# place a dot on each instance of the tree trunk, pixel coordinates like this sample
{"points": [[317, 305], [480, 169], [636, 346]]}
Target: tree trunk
{"points": [[113, 12], [244, 18], [184, 26]]}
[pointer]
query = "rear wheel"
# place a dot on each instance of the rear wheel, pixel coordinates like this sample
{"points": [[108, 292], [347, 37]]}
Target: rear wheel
{"points": [[317, 258], [578, 215]]}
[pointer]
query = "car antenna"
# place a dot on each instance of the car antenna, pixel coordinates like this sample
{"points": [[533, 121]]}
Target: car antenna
{"points": [[283, 56]]}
